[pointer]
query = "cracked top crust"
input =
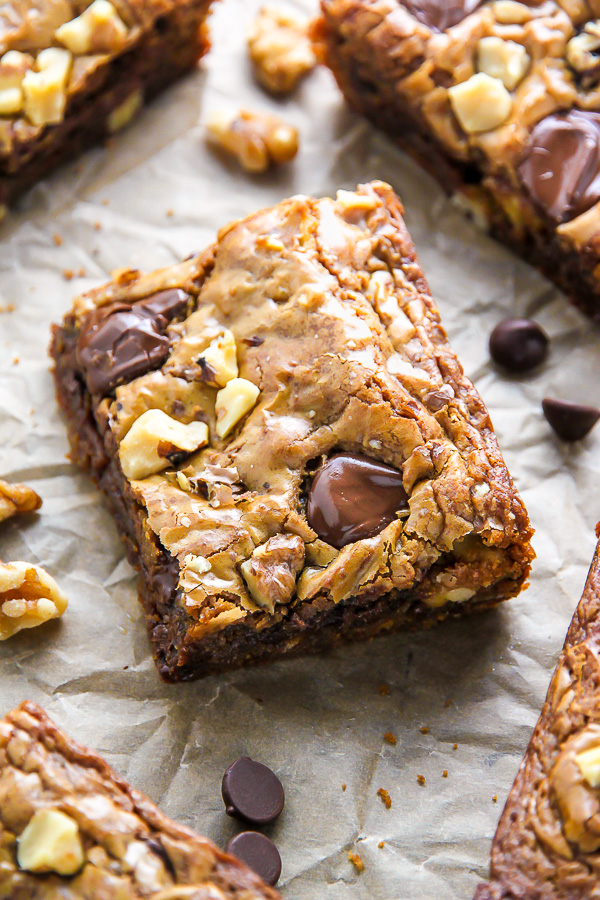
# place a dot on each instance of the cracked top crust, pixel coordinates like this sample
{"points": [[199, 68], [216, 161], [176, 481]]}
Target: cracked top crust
{"points": [[130, 850], [334, 324], [538, 59], [548, 840]]}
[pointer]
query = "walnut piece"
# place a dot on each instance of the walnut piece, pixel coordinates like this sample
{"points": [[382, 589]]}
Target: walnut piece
{"points": [[99, 29], [280, 50], [583, 53], [219, 359], [51, 843], [13, 68], [481, 103], [155, 440], [45, 91], [28, 598], [501, 59], [17, 498], [233, 402], [257, 140], [271, 571]]}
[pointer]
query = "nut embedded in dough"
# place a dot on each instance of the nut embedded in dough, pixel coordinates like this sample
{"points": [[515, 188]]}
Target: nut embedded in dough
{"points": [[271, 571], [233, 402], [501, 59], [44, 91], [51, 843], [152, 441], [99, 29], [481, 103]]}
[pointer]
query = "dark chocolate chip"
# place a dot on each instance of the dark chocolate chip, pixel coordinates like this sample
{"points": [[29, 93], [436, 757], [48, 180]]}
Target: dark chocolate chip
{"points": [[561, 166], [259, 853], [571, 421], [441, 14], [353, 498], [121, 342], [252, 791], [518, 344]]}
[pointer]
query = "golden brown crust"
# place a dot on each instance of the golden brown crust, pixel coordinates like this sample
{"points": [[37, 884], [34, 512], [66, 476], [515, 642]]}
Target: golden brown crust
{"points": [[132, 850]]}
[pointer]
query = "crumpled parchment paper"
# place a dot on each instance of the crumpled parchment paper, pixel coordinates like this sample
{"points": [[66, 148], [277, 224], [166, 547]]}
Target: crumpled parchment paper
{"points": [[151, 198]]}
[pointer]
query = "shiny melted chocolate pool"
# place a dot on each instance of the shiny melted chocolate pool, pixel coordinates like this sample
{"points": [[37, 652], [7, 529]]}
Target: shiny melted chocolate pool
{"points": [[353, 497]]}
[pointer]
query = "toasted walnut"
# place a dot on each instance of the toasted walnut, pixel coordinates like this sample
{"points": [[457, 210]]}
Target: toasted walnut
{"points": [[44, 91], [98, 29], [17, 498], [28, 598], [233, 402], [258, 140], [280, 50], [574, 779], [505, 60], [271, 571], [510, 12], [155, 441], [50, 843], [13, 68], [583, 52], [219, 360], [481, 103]]}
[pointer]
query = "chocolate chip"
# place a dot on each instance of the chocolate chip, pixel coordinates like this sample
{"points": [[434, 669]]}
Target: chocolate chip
{"points": [[571, 421], [259, 853], [121, 342], [252, 791], [561, 166], [353, 498], [441, 14], [254, 341], [518, 344]]}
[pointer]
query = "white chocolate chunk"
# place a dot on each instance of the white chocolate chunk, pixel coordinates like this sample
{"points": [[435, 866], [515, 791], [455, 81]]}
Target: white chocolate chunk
{"points": [[51, 843], [98, 29], [122, 115], [153, 438], [11, 101], [45, 90], [13, 68], [233, 402], [505, 60], [28, 598], [221, 356], [481, 103], [589, 765]]}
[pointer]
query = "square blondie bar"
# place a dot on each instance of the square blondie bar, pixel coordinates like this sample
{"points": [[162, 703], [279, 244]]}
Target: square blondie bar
{"points": [[289, 445], [500, 101]]}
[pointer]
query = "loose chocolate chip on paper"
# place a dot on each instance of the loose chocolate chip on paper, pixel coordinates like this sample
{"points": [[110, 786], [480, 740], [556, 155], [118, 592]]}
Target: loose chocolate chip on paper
{"points": [[122, 342], [441, 14], [518, 344], [353, 497], [259, 853], [252, 791], [571, 421]]}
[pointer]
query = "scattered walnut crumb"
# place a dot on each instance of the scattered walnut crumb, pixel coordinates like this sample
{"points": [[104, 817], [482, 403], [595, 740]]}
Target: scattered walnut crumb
{"points": [[356, 861], [445, 773], [421, 780], [170, 213], [57, 239], [385, 797], [68, 274], [10, 307], [97, 226], [455, 746], [105, 202], [495, 798], [390, 738], [384, 690], [15, 361], [424, 729], [381, 845], [81, 272], [344, 786]]}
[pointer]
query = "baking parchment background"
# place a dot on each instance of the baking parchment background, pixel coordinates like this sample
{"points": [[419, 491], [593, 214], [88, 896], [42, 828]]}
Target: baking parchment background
{"points": [[160, 194]]}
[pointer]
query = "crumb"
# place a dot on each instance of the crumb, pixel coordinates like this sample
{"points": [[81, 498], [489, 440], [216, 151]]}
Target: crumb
{"points": [[57, 239], [495, 798], [390, 738], [447, 704], [170, 213], [68, 274], [381, 845], [105, 202], [81, 273], [384, 690], [344, 787], [97, 226], [445, 773], [10, 307], [421, 780], [424, 729], [15, 361], [385, 797], [455, 746], [125, 668], [356, 861]]}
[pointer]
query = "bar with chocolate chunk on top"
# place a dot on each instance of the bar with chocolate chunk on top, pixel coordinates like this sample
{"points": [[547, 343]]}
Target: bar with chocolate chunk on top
{"points": [[289, 445], [73, 73], [497, 99], [71, 828], [548, 840]]}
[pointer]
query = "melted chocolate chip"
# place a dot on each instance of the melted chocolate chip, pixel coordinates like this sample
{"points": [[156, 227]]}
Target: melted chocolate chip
{"points": [[353, 498], [252, 791], [259, 853], [441, 14], [561, 166], [571, 421], [518, 344], [120, 342]]}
